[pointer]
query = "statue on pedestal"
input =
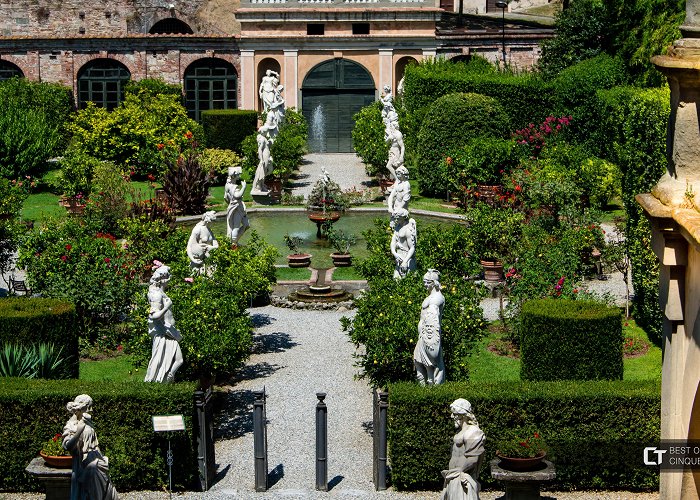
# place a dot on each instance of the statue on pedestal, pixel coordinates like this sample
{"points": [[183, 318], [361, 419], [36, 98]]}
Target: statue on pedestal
{"points": [[427, 356], [236, 217], [90, 476], [201, 242], [268, 86], [403, 242], [462, 478], [400, 193]]}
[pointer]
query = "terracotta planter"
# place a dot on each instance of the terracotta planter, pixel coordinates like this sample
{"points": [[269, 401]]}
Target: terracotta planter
{"points": [[63, 462], [341, 259], [493, 270], [275, 187], [521, 464], [74, 206], [488, 194], [299, 260], [385, 183]]}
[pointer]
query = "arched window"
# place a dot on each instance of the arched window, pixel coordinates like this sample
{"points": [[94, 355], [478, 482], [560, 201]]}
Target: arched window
{"points": [[9, 70], [210, 84], [102, 81], [171, 26]]}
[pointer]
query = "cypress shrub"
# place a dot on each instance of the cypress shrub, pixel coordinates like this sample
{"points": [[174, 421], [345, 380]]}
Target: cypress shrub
{"points": [[226, 128], [449, 124], [596, 431], [31, 321], [564, 339], [33, 411]]}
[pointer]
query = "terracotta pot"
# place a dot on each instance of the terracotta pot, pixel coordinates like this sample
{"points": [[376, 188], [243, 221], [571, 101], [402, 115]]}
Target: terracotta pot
{"points": [[493, 270], [63, 462], [488, 193], [341, 259], [521, 464], [299, 260], [72, 205], [385, 183]]}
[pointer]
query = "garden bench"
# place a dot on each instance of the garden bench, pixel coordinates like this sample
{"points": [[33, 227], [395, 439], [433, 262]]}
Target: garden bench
{"points": [[19, 286]]}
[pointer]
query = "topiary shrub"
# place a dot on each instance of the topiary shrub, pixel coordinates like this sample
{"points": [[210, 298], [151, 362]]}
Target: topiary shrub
{"points": [[596, 431], [368, 139], [32, 321], [449, 124], [122, 417], [570, 340], [226, 128]]}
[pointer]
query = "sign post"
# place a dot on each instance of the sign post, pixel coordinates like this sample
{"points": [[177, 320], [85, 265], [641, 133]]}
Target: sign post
{"points": [[169, 423]]}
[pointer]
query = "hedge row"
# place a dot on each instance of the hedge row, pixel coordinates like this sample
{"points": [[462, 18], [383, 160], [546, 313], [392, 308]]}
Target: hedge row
{"points": [[33, 411], [31, 321], [570, 340], [226, 128], [596, 431]]}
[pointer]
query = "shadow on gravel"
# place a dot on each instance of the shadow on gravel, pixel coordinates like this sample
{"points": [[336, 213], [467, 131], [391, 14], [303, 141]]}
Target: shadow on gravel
{"points": [[368, 427], [275, 475], [234, 415], [272, 342], [251, 372], [260, 319], [334, 482], [221, 474]]}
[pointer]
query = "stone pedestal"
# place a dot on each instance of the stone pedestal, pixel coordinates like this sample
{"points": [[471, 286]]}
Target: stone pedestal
{"points": [[522, 485], [56, 482]]}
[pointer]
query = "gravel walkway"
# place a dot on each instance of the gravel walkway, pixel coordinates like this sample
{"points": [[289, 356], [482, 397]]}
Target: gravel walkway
{"points": [[344, 168]]}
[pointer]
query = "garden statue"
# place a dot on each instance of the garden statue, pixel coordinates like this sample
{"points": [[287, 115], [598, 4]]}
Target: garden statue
{"points": [[201, 242], [267, 88], [277, 107], [90, 477], [264, 160], [236, 216], [166, 356], [427, 356], [403, 242], [400, 193], [387, 99], [396, 148], [461, 479]]}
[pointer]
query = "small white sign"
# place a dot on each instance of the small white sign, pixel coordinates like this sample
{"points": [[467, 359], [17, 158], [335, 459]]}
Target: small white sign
{"points": [[166, 423]]}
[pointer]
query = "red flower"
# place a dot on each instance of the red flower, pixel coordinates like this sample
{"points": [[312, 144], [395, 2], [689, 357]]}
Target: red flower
{"points": [[537, 435], [64, 258], [68, 247], [151, 177], [524, 444], [108, 260], [188, 135], [518, 188], [160, 146]]}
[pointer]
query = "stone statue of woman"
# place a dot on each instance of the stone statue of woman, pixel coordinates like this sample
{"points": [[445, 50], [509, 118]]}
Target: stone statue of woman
{"points": [[400, 193], [166, 356], [236, 217], [461, 479], [427, 356], [90, 476], [403, 242], [201, 242]]}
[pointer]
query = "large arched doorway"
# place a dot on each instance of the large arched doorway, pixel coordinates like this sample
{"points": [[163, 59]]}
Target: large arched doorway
{"points": [[332, 93], [9, 70], [102, 82], [210, 83]]}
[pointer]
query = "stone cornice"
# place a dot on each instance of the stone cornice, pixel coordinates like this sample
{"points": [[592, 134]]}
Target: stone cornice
{"points": [[350, 42]]}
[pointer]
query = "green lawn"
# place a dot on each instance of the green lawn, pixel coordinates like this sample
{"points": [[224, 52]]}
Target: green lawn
{"points": [[293, 274], [346, 274], [118, 369], [486, 366]]}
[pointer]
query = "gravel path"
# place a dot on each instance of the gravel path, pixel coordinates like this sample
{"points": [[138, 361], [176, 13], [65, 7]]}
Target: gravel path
{"points": [[344, 168]]}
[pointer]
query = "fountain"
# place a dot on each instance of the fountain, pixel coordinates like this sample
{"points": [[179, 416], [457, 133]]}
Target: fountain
{"points": [[320, 291], [317, 130], [325, 202]]}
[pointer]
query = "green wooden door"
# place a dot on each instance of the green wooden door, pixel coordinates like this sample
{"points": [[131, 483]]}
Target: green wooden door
{"points": [[331, 95]]}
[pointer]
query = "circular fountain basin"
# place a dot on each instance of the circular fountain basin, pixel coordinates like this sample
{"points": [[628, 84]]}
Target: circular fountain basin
{"points": [[330, 295]]}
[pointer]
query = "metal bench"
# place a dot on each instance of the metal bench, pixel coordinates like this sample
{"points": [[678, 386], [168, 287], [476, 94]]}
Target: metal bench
{"points": [[19, 286]]}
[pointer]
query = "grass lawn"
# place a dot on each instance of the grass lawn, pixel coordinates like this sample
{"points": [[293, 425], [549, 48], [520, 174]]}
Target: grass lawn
{"points": [[118, 369], [293, 274], [346, 274], [486, 366]]}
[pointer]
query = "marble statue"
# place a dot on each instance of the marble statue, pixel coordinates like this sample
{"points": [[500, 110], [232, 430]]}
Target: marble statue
{"points": [[427, 356], [461, 479], [166, 356], [201, 242], [403, 242], [265, 166], [277, 107], [400, 193], [90, 476], [236, 217], [387, 99], [268, 86], [396, 148]]}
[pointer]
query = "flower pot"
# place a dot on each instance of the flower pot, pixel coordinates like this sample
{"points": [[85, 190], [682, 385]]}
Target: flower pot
{"points": [[385, 183], [521, 464], [62, 462], [493, 270], [73, 205], [299, 260], [341, 259], [488, 193]]}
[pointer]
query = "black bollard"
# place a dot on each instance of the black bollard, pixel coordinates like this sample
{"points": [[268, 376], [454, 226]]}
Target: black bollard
{"points": [[381, 438], [321, 443], [260, 440]]}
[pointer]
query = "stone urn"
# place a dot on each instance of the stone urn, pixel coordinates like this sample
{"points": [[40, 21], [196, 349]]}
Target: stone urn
{"points": [[299, 260], [341, 259], [493, 270], [526, 464]]}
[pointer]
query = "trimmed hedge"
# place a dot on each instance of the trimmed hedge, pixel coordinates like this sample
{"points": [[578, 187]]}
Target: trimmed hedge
{"points": [[30, 321], [226, 128], [32, 411], [563, 339], [596, 430]]}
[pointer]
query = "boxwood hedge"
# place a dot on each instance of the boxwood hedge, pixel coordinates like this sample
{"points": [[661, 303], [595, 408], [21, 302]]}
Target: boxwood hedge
{"points": [[33, 411], [595, 430], [226, 128]]}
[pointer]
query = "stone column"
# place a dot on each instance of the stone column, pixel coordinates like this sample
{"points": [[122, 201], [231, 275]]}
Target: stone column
{"points": [[248, 87], [290, 78], [386, 70]]}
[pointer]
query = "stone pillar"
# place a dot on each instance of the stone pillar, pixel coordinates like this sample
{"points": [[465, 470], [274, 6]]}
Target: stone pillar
{"points": [[386, 70], [290, 78], [248, 86]]}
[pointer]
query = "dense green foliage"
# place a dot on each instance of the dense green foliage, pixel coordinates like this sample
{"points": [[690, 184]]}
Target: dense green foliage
{"points": [[12, 196], [368, 139], [33, 119], [449, 123], [32, 321], [596, 431], [570, 340], [226, 128], [31, 412], [152, 87]]}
